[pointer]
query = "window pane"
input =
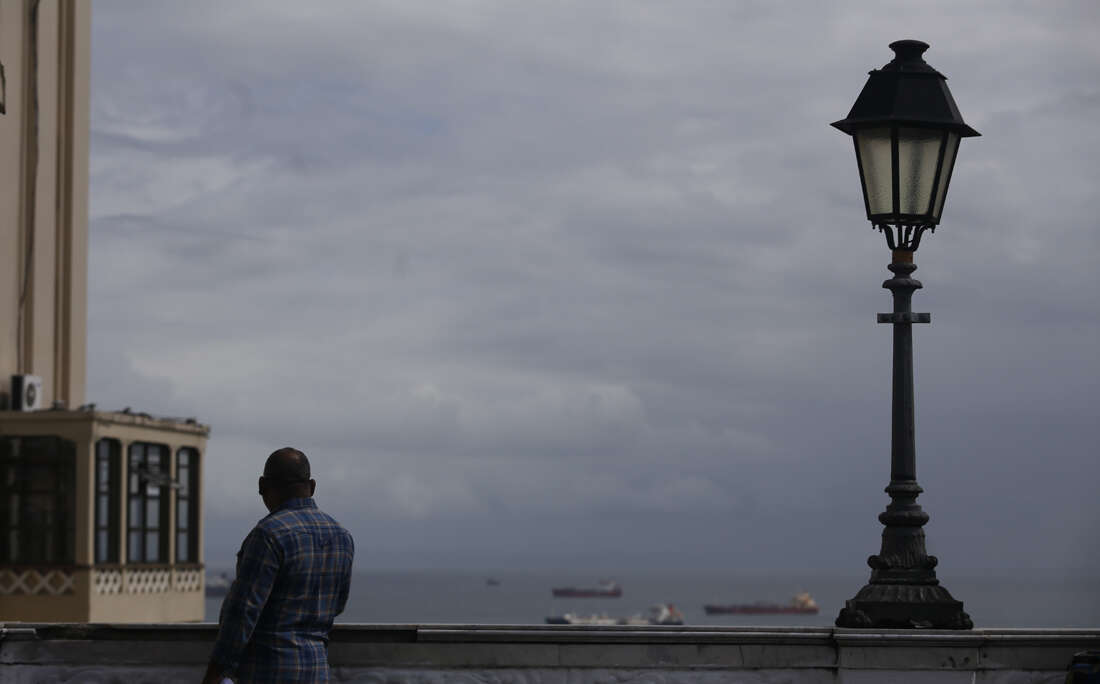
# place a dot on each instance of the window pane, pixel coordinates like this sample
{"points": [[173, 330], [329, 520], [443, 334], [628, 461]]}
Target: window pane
{"points": [[39, 510], [42, 478], [182, 514], [875, 160], [136, 517], [183, 548], [102, 473], [101, 510], [134, 549], [183, 476], [183, 458], [101, 546], [152, 547], [152, 513]]}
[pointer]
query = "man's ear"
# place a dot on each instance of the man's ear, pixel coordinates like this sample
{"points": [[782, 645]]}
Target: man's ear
{"points": [[312, 487]]}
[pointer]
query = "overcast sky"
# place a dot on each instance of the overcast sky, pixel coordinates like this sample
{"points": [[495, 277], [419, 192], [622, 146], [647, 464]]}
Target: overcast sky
{"points": [[589, 284]]}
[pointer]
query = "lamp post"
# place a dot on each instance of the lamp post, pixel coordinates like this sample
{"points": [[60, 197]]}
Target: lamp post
{"points": [[906, 130]]}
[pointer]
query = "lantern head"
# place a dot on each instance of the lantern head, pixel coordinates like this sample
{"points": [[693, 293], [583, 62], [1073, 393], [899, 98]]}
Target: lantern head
{"points": [[906, 129]]}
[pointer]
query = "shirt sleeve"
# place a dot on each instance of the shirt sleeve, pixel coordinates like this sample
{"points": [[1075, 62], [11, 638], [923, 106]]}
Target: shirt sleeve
{"points": [[345, 585], [257, 567]]}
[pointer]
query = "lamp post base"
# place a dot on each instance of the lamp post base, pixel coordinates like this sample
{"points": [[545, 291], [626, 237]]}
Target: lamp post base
{"points": [[904, 606]]}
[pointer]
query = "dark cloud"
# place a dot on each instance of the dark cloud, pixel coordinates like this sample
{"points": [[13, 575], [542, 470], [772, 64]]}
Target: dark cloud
{"points": [[585, 281]]}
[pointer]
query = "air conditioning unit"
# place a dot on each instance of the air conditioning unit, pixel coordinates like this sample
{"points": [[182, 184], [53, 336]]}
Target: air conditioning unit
{"points": [[26, 392]]}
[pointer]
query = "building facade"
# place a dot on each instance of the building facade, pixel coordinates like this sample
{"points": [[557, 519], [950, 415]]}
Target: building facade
{"points": [[100, 511]]}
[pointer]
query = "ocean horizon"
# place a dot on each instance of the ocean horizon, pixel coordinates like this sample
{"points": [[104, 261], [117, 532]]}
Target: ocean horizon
{"points": [[424, 596]]}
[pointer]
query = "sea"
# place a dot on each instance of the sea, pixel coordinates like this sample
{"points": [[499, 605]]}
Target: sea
{"points": [[430, 596]]}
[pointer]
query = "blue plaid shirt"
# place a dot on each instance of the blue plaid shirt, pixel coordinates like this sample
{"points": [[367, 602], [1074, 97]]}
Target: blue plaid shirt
{"points": [[293, 574]]}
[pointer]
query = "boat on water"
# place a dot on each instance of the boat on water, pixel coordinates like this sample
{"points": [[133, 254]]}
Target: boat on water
{"points": [[605, 589], [218, 586], [660, 614], [492, 582], [801, 604]]}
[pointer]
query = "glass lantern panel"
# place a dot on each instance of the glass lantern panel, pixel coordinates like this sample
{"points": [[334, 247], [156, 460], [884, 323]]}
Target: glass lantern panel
{"points": [[945, 174], [875, 166], [918, 152]]}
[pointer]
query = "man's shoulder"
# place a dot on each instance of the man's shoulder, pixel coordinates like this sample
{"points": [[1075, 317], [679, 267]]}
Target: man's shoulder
{"points": [[292, 520]]}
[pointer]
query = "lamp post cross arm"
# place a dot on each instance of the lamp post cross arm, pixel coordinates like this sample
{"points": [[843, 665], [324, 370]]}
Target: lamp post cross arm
{"points": [[904, 317]]}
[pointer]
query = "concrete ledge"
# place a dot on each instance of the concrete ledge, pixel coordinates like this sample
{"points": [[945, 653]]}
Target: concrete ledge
{"points": [[579, 655]]}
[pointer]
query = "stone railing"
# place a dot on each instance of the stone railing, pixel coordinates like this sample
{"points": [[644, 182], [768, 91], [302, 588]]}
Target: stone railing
{"points": [[427, 654]]}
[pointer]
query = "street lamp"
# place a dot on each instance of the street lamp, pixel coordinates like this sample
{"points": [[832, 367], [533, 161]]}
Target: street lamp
{"points": [[906, 130]]}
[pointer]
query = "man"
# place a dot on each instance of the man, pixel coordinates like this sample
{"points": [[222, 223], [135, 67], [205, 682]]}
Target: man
{"points": [[293, 574]]}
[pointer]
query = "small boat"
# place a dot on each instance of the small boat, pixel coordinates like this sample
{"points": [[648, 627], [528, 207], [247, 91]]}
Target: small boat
{"points": [[575, 619], [605, 589], [801, 604], [492, 582], [660, 614], [218, 586]]}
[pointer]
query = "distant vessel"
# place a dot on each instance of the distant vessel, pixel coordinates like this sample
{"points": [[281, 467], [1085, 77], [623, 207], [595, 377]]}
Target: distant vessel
{"points": [[605, 589], [492, 582], [801, 604], [217, 586], [660, 614]]}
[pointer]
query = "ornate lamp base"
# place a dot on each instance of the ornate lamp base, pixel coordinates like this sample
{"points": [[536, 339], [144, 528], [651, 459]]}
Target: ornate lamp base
{"points": [[903, 592], [904, 606]]}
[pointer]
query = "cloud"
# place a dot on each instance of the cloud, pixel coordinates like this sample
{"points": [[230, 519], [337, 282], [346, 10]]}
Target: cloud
{"points": [[594, 266]]}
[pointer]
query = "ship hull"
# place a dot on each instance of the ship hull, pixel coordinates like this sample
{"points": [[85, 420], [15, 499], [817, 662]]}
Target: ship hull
{"points": [[587, 593]]}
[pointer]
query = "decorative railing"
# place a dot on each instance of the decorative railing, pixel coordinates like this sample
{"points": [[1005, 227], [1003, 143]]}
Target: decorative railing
{"points": [[105, 580], [187, 579], [147, 579], [46, 581]]}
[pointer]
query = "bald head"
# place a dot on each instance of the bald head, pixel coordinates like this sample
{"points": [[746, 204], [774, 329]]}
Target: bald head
{"points": [[287, 465], [286, 476]]}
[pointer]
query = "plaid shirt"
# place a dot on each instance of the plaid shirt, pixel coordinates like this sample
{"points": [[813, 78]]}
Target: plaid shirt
{"points": [[293, 573]]}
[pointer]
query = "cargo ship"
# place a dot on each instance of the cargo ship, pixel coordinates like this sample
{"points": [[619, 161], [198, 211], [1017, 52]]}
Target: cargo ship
{"points": [[801, 604], [605, 589]]}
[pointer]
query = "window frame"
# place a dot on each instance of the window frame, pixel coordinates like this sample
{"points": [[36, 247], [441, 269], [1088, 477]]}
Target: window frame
{"points": [[52, 542], [137, 456], [187, 537], [107, 449]]}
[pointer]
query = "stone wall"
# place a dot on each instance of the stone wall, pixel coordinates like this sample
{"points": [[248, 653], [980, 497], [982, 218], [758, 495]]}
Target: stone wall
{"points": [[430, 654]]}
